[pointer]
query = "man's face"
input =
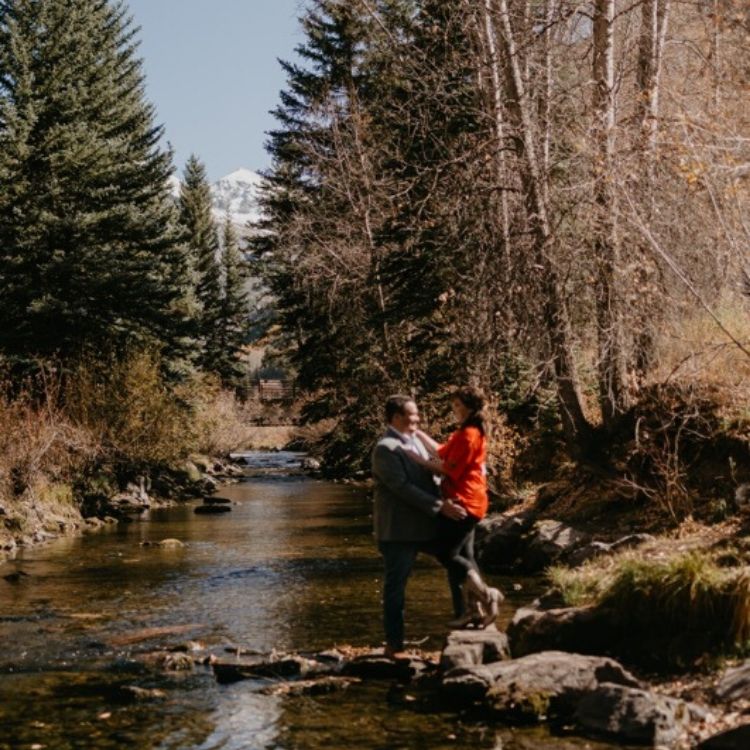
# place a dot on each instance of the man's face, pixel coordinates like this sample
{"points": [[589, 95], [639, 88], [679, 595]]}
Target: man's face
{"points": [[407, 421]]}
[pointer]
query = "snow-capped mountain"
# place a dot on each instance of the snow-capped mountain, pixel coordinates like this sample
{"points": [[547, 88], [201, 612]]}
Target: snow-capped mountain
{"points": [[236, 194]]}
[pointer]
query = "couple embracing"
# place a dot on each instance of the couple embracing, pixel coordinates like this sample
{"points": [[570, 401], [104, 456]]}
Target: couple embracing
{"points": [[429, 498]]}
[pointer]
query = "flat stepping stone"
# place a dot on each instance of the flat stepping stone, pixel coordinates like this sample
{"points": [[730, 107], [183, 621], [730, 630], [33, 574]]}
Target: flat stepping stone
{"points": [[212, 510], [164, 544], [311, 687], [282, 668], [469, 648], [379, 667], [216, 501]]}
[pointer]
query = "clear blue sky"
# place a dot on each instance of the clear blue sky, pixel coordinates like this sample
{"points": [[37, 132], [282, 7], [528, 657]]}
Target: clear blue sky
{"points": [[212, 72]]}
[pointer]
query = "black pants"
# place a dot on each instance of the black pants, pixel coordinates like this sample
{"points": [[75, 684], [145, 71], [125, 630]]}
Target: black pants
{"points": [[454, 549]]}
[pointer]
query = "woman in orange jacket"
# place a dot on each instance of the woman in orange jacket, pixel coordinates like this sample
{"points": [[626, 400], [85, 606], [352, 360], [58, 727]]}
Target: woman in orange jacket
{"points": [[461, 462]]}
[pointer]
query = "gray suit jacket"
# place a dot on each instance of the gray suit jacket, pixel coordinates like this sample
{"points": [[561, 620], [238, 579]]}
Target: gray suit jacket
{"points": [[406, 497]]}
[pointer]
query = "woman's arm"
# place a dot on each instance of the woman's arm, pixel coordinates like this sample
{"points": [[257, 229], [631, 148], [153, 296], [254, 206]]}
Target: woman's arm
{"points": [[431, 445], [435, 465]]}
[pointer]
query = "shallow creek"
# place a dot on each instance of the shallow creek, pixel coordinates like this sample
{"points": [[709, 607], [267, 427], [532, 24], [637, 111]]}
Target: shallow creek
{"points": [[292, 567]]}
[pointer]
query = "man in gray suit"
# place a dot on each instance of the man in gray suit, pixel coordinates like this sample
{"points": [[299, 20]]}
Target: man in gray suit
{"points": [[407, 503]]}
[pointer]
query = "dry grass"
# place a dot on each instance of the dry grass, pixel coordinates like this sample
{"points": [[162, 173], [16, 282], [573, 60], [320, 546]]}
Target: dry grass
{"points": [[270, 437], [685, 597], [220, 423], [39, 443], [694, 348]]}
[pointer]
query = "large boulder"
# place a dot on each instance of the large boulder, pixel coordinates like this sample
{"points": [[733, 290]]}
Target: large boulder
{"points": [[469, 648], [535, 686], [583, 630], [499, 539], [595, 549], [733, 739], [735, 684], [549, 542], [631, 715]]}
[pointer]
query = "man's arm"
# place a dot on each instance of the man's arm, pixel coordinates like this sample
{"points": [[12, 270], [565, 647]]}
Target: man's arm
{"points": [[389, 468]]}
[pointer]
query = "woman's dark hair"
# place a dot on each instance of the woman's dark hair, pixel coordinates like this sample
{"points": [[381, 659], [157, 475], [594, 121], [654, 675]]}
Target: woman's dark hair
{"points": [[473, 399]]}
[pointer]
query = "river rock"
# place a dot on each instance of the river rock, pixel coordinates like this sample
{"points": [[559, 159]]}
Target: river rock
{"points": [[599, 549], [164, 544], [549, 542], [735, 683], [177, 661], [534, 686], [320, 686], [583, 630], [281, 666], [209, 500], [631, 715], [310, 464], [16, 576], [377, 667], [733, 739], [192, 472], [126, 502], [499, 539], [208, 510], [209, 484], [135, 694], [468, 648], [202, 463]]}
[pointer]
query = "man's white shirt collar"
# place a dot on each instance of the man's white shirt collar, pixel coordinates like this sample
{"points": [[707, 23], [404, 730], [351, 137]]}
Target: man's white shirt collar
{"points": [[411, 442]]}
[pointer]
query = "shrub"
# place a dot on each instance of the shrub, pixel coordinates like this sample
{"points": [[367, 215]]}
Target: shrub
{"points": [[37, 440], [130, 410], [220, 423]]}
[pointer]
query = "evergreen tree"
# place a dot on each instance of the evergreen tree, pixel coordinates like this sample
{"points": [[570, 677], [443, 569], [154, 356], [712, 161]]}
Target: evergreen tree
{"points": [[233, 321], [322, 214], [201, 236], [90, 254]]}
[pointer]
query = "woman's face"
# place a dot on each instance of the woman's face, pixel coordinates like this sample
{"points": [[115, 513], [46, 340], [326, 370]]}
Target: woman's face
{"points": [[460, 411]]}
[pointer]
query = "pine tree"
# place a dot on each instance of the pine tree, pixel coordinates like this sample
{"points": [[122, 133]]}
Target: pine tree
{"points": [[323, 211], [90, 254], [201, 236], [232, 325]]}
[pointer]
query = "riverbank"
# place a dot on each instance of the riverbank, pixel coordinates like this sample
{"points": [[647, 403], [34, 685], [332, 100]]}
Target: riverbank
{"points": [[57, 512], [673, 605], [107, 440]]}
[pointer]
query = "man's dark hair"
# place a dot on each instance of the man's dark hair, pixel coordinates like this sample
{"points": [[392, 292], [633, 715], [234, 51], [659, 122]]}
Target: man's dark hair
{"points": [[396, 405]]}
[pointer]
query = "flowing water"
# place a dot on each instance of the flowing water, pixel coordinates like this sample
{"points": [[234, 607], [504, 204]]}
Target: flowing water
{"points": [[292, 567]]}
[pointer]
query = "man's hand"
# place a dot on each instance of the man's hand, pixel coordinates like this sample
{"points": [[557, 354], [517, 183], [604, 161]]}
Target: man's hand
{"points": [[454, 511]]}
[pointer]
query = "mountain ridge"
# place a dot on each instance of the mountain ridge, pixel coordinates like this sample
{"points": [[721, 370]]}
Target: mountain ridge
{"points": [[235, 194]]}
